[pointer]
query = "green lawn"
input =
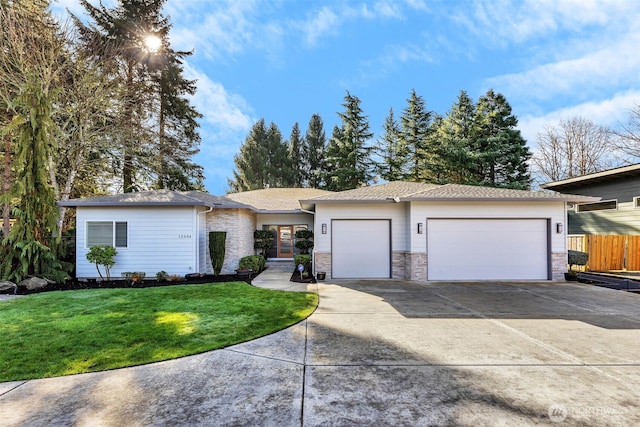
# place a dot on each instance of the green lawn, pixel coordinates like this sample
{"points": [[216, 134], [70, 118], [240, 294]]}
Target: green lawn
{"points": [[62, 333]]}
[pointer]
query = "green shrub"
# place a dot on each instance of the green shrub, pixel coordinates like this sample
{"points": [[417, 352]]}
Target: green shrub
{"points": [[102, 255], [253, 262], [217, 241], [577, 258], [161, 276], [263, 240], [305, 260], [304, 243]]}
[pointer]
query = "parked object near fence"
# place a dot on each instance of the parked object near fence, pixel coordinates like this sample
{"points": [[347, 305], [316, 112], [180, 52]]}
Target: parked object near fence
{"points": [[608, 252]]}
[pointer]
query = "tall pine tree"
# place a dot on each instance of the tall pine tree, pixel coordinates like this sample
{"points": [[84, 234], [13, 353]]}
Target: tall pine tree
{"points": [[263, 160], [455, 132], [392, 151], [501, 150], [349, 163], [297, 153], [423, 156], [154, 126], [315, 144]]}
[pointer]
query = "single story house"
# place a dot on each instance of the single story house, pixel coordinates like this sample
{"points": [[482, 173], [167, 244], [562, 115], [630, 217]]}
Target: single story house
{"points": [[399, 230], [617, 211], [427, 232], [166, 230]]}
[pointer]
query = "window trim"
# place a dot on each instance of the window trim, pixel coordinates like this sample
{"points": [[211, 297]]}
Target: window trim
{"points": [[114, 229], [597, 203]]}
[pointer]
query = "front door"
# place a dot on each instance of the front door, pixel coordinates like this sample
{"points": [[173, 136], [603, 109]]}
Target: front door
{"points": [[285, 241]]}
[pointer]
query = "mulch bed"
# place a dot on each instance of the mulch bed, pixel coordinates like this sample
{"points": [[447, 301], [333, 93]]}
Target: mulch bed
{"points": [[74, 284], [295, 277]]}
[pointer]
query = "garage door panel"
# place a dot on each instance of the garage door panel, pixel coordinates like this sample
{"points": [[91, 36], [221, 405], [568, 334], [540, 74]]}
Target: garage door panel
{"points": [[487, 249], [360, 249]]}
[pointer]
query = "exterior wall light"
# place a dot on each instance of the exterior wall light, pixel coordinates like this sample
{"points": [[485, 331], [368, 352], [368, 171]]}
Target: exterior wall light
{"points": [[324, 228], [558, 227], [419, 228]]}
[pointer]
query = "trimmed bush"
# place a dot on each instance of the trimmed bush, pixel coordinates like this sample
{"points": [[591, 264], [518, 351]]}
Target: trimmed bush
{"points": [[253, 262], [577, 258], [304, 243], [161, 276], [263, 240], [304, 260], [217, 241]]}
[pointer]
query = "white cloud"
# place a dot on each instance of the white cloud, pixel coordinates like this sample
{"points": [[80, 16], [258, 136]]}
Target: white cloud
{"points": [[610, 112], [614, 66], [228, 112]]}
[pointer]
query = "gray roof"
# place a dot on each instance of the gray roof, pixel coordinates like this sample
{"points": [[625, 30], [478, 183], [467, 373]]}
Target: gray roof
{"points": [[593, 178], [399, 191], [157, 198], [276, 200]]}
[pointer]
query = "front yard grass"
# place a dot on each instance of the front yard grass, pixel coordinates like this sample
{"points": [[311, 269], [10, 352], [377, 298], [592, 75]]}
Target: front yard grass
{"points": [[63, 333]]}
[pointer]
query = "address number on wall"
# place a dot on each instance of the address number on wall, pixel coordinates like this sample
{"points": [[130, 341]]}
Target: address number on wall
{"points": [[184, 236]]}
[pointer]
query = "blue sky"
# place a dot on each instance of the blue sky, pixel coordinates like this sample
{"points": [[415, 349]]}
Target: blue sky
{"points": [[284, 60]]}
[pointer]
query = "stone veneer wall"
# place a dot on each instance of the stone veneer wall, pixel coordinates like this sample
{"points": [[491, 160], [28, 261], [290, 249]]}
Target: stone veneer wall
{"points": [[417, 267], [239, 225], [322, 262], [399, 265], [558, 265]]}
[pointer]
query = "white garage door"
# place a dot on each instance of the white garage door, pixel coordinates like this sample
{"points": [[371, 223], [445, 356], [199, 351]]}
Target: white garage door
{"points": [[487, 249], [361, 249]]}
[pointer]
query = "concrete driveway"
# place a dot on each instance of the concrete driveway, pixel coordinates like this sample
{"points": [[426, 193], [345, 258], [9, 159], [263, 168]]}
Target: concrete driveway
{"points": [[384, 353]]}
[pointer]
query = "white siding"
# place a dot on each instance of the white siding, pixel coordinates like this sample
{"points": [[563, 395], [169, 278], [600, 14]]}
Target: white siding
{"points": [[555, 211], [203, 243], [284, 219], [396, 212], [159, 238]]}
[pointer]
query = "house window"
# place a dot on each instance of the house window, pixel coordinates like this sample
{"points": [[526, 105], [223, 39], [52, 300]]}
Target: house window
{"points": [[636, 202], [107, 233], [598, 206]]}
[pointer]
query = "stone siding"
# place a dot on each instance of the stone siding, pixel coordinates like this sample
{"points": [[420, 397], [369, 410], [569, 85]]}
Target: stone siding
{"points": [[239, 225], [418, 267], [399, 267], [322, 262], [558, 265]]}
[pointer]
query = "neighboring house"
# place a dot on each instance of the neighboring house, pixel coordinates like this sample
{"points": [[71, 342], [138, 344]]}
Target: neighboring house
{"points": [[426, 232], [168, 230], [617, 211]]}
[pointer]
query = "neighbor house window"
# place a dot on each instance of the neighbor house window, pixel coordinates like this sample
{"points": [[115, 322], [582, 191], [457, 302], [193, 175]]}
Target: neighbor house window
{"points": [[636, 202], [598, 206], [107, 233]]}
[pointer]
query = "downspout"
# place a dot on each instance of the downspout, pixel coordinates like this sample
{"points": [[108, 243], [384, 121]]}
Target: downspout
{"points": [[198, 235]]}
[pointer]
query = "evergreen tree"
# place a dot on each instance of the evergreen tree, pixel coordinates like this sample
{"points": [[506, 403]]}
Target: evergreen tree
{"points": [[315, 141], [263, 160], [423, 156], [278, 167], [455, 133], [392, 151], [349, 163], [142, 151], [297, 154], [29, 248], [178, 136], [501, 151]]}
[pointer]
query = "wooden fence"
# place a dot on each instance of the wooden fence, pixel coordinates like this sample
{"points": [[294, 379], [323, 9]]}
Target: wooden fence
{"points": [[608, 253]]}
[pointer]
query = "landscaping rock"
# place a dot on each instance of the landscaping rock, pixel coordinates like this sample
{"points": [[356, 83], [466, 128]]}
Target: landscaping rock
{"points": [[33, 283], [8, 287]]}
